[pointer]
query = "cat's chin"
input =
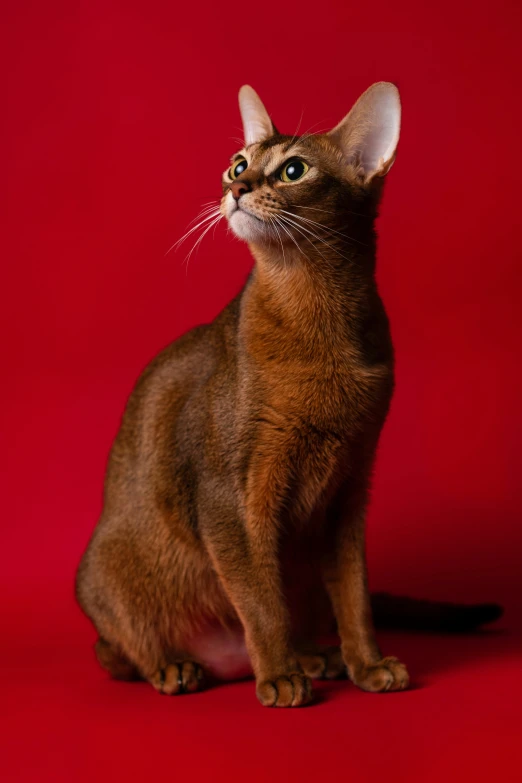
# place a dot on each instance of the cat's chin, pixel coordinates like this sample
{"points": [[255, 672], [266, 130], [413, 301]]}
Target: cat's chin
{"points": [[247, 227]]}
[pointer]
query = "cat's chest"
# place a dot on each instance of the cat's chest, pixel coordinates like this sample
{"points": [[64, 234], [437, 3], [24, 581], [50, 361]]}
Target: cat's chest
{"points": [[335, 396], [306, 430]]}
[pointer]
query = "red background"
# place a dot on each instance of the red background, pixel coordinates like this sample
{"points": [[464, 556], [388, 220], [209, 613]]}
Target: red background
{"points": [[118, 121]]}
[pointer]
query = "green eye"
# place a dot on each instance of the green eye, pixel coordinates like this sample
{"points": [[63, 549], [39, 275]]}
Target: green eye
{"points": [[294, 170], [238, 168]]}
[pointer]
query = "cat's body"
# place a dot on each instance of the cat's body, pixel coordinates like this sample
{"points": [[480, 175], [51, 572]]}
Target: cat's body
{"points": [[233, 521]]}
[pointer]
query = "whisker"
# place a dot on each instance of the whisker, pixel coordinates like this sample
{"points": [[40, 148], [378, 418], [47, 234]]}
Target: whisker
{"points": [[272, 222], [309, 231], [206, 214], [323, 227], [203, 212], [278, 218], [200, 238], [319, 239], [212, 214], [294, 137], [311, 128], [281, 225], [298, 229], [330, 212], [315, 209]]}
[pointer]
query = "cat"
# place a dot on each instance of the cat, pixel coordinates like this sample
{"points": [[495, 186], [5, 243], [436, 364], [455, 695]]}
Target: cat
{"points": [[233, 527]]}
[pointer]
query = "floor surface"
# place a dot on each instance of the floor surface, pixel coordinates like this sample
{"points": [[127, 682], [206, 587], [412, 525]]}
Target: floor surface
{"points": [[65, 720]]}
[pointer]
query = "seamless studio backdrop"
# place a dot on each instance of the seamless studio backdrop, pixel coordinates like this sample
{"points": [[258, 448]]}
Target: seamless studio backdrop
{"points": [[118, 121]]}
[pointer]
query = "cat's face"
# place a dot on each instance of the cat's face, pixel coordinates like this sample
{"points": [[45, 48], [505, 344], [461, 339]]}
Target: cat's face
{"points": [[270, 183], [281, 188]]}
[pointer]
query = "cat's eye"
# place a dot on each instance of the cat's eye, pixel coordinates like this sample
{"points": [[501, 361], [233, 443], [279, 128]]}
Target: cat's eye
{"points": [[294, 170], [238, 168]]}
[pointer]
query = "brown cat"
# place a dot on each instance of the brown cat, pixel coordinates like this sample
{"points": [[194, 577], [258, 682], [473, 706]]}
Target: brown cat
{"points": [[233, 521]]}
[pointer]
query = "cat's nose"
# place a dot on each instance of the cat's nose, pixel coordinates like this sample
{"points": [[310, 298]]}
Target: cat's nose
{"points": [[238, 187]]}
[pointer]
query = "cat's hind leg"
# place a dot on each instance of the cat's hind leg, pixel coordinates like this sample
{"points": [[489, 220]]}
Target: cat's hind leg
{"points": [[146, 625], [114, 661], [172, 679]]}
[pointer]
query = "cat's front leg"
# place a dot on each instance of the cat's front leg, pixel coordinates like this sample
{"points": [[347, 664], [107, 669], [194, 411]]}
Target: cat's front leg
{"points": [[345, 577], [245, 557]]}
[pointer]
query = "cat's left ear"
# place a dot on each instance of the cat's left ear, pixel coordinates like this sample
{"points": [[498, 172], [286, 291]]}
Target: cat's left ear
{"points": [[257, 124], [369, 134]]}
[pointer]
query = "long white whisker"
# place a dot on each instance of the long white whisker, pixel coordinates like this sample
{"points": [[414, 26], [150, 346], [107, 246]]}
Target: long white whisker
{"points": [[308, 132], [322, 226], [316, 236], [294, 137], [204, 232], [281, 225], [203, 213], [273, 223], [315, 209], [211, 215], [298, 228], [201, 219], [201, 237], [330, 212]]}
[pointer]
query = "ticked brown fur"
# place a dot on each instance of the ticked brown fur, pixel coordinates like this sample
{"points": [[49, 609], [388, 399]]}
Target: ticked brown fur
{"points": [[232, 530]]}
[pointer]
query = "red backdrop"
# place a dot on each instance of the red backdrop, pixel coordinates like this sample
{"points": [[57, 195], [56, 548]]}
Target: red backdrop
{"points": [[120, 117]]}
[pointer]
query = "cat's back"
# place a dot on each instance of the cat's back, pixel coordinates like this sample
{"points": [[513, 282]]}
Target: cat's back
{"points": [[170, 396]]}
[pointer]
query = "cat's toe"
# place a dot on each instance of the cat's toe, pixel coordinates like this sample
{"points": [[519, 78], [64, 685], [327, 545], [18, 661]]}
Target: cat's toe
{"points": [[292, 690], [325, 664], [179, 677], [388, 674]]}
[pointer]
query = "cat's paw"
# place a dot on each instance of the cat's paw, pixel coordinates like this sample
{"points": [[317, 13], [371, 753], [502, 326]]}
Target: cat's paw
{"points": [[388, 674], [291, 690], [323, 664], [179, 677]]}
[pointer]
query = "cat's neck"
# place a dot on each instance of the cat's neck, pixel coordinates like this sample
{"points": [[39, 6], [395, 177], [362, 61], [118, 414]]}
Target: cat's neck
{"points": [[308, 303]]}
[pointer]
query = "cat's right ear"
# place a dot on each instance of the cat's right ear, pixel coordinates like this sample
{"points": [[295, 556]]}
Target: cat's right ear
{"points": [[257, 125], [369, 134]]}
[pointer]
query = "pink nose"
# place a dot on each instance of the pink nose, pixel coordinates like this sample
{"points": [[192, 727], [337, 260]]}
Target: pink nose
{"points": [[238, 187]]}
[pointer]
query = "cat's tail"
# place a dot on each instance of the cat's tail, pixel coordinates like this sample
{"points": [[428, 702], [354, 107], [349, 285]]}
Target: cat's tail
{"points": [[390, 611]]}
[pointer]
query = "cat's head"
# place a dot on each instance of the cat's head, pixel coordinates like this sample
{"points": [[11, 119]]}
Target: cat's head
{"points": [[283, 188]]}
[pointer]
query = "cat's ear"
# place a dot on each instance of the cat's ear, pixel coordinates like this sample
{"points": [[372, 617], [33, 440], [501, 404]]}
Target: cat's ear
{"points": [[369, 134], [257, 125]]}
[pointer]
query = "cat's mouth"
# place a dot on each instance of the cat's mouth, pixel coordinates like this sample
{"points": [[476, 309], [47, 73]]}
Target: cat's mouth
{"points": [[246, 225], [242, 208]]}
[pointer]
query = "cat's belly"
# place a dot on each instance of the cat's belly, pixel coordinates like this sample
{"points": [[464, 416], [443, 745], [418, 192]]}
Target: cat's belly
{"points": [[222, 652]]}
